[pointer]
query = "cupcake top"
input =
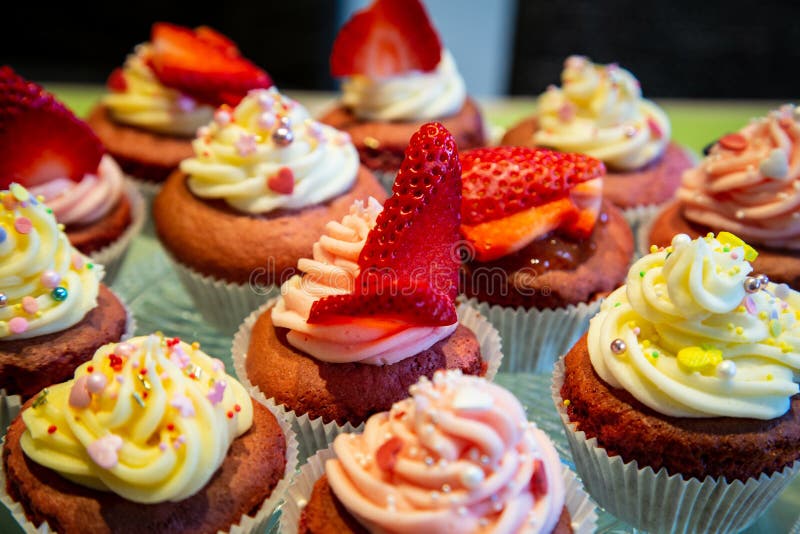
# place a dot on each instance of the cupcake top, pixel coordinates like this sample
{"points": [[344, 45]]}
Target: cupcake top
{"points": [[381, 286], [516, 195], [750, 182], [599, 111], [457, 456], [394, 65], [150, 419], [694, 333], [267, 154], [172, 84], [46, 285], [54, 154]]}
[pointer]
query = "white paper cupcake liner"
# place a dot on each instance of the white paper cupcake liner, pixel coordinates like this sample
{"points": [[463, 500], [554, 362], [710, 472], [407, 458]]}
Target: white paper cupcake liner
{"points": [[642, 235], [247, 524], [223, 304], [658, 502], [534, 339], [638, 216], [148, 190], [580, 506], [312, 433], [112, 256]]}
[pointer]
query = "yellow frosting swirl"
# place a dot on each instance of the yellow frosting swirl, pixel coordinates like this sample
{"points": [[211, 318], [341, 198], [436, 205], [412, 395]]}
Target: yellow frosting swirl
{"points": [[599, 111], [692, 335], [150, 419], [268, 154], [46, 285], [148, 104]]}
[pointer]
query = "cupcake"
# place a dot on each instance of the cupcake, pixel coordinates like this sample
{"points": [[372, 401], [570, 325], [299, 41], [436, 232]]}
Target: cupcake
{"points": [[54, 312], [396, 76], [542, 246], [56, 156], [749, 184], [457, 456], [264, 181], [167, 89], [685, 388], [150, 435], [599, 111], [375, 308]]}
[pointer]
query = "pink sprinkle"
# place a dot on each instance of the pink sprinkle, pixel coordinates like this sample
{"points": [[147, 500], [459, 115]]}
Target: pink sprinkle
{"points": [[186, 103], [655, 129], [50, 279], [23, 225], [120, 379], [636, 331], [77, 261], [750, 305], [217, 365], [266, 121], [103, 451], [30, 305], [9, 202], [18, 325], [566, 112], [162, 446], [222, 117], [135, 364], [246, 145], [125, 349], [734, 255], [179, 357], [217, 392]]}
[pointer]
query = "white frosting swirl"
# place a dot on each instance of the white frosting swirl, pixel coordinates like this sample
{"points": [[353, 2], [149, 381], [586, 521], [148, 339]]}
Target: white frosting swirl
{"points": [[415, 95], [333, 271], [38, 267], [149, 419], [238, 159], [458, 456], [86, 201], [696, 343], [599, 111], [150, 105]]}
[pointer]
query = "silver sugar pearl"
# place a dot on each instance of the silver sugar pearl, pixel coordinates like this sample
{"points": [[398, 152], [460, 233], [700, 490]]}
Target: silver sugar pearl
{"points": [[283, 136], [3, 300], [618, 346], [286, 121], [752, 284], [764, 279]]}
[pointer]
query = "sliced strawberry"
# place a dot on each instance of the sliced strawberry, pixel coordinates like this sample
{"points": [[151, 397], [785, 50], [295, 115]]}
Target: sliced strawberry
{"points": [[116, 81], [409, 263], [587, 198], [390, 37], [40, 139], [502, 181], [203, 64], [500, 237]]}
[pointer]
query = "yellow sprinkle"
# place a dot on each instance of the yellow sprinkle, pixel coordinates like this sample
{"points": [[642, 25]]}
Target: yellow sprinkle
{"points": [[730, 326], [728, 238], [653, 249], [710, 235], [762, 315], [646, 343], [37, 314], [741, 309], [60, 226], [670, 249], [371, 142], [785, 347], [195, 345], [699, 359], [566, 402], [739, 330], [769, 341], [18, 307], [769, 377], [631, 324]]}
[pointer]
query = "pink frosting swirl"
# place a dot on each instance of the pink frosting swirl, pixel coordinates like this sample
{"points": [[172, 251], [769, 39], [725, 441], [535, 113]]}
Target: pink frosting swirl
{"points": [[84, 202], [333, 271], [457, 456], [750, 182]]}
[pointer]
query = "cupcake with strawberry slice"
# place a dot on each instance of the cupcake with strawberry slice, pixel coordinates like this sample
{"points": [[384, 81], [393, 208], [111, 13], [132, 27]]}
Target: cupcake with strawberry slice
{"points": [[375, 308], [396, 76], [44, 147], [167, 89], [542, 246]]}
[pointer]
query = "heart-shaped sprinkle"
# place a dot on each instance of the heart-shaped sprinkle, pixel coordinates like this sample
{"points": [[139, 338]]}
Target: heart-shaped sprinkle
{"points": [[282, 182], [79, 396], [103, 451]]}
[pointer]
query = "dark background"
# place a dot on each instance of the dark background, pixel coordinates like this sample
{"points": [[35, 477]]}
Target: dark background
{"points": [[679, 48]]}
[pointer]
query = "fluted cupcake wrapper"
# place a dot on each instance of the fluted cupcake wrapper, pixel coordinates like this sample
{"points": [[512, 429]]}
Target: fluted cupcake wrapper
{"points": [[247, 524], [112, 256], [580, 506], [223, 304], [533, 339], [642, 234], [637, 218], [314, 434], [148, 190], [658, 502]]}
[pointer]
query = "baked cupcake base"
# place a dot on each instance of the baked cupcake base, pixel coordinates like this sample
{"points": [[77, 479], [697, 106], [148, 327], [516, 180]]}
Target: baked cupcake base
{"points": [[143, 155], [653, 184], [781, 266], [28, 365], [101, 233], [347, 392], [381, 145], [255, 464]]}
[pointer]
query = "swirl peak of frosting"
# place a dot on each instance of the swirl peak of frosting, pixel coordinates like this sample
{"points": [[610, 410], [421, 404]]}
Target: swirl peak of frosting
{"points": [[333, 271], [750, 182], [414, 95], [268, 154], [694, 333], [599, 111], [150, 419], [457, 456], [46, 285], [86, 201], [147, 103]]}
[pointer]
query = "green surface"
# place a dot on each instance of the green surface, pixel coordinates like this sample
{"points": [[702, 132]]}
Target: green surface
{"points": [[153, 292]]}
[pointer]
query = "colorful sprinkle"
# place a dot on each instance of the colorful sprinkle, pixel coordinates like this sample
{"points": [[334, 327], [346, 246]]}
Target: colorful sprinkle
{"points": [[19, 192], [18, 325], [702, 359], [79, 396], [41, 398], [30, 305], [115, 362], [735, 141], [183, 404], [23, 225], [217, 392], [59, 294], [750, 305], [78, 261], [282, 182], [246, 145], [96, 383], [50, 279], [655, 129], [103, 451], [3, 235], [775, 327], [138, 399], [727, 238]]}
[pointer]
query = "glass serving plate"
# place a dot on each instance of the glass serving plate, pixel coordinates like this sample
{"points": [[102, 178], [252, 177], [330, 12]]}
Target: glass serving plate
{"points": [[152, 290]]}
